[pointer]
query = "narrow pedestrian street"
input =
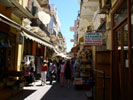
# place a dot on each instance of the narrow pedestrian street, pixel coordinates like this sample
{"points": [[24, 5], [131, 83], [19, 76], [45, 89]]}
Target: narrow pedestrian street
{"points": [[49, 92], [66, 49]]}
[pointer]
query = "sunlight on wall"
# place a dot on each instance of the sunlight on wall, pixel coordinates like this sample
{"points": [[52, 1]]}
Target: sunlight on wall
{"points": [[19, 57]]}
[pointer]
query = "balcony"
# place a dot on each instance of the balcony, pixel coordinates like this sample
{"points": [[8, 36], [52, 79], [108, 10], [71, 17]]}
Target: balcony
{"points": [[87, 11], [37, 22], [43, 3]]}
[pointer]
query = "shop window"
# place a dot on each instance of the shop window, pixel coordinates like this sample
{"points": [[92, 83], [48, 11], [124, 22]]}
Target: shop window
{"points": [[121, 12]]}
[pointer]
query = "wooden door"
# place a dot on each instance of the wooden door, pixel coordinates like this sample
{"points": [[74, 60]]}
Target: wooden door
{"points": [[121, 62]]}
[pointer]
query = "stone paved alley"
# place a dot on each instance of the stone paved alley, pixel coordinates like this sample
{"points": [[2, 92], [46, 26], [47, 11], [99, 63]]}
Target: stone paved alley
{"points": [[50, 92]]}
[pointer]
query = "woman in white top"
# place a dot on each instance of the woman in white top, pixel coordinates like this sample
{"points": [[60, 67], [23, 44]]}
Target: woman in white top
{"points": [[62, 68]]}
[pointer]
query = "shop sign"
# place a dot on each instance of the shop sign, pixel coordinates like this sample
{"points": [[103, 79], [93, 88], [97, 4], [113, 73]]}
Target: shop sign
{"points": [[93, 39], [73, 29], [76, 22], [72, 40]]}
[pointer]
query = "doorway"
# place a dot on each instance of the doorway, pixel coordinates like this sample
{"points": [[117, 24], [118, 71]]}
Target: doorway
{"points": [[121, 60]]}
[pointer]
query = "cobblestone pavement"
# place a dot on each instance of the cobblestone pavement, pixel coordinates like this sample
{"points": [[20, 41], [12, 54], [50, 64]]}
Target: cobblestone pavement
{"points": [[49, 92]]}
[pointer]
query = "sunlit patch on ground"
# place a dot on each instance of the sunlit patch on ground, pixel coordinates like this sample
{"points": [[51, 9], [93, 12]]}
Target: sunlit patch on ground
{"points": [[40, 90]]}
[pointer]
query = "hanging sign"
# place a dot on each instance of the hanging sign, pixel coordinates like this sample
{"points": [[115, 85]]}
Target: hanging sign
{"points": [[76, 22], [73, 29], [93, 39], [72, 40]]}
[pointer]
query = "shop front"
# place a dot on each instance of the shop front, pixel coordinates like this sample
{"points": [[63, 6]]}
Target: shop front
{"points": [[7, 53], [122, 50], [8, 49]]}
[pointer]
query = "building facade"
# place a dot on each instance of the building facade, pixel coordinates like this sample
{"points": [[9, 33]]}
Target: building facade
{"points": [[112, 19], [23, 32]]}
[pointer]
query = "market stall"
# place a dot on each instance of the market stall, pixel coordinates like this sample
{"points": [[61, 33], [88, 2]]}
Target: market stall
{"points": [[83, 75]]}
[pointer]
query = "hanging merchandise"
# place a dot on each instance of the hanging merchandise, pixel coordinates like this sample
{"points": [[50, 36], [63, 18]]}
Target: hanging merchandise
{"points": [[26, 60], [83, 72], [29, 61]]}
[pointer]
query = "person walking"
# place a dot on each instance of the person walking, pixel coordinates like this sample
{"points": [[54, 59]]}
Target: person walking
{"points": [[62, 68], [52, 72], [44, 73], [68, 73]]}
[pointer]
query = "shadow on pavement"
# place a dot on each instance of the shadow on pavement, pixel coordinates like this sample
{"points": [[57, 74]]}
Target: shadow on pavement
{"points": [[22, 95], [63, 93]]}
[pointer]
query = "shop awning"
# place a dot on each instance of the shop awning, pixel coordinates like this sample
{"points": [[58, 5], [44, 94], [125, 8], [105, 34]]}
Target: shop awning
{"points": [[63, 55], [16, 8], [25, 32], [34, 38], [10, 22]]}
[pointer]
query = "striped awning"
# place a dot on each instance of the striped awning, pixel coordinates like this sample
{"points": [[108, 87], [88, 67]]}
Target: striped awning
{"points": [[31, 37]]}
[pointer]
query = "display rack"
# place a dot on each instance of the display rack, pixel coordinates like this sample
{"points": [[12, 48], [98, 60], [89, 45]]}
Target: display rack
{"points": [[84, 73]]}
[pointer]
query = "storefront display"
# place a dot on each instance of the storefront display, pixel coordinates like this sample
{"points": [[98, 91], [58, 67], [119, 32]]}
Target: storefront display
{"points": [[8, 62], [84, 71], [7, 51]]}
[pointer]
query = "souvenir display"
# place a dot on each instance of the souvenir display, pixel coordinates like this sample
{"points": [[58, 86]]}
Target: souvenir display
{"points": [[84, 71]]}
